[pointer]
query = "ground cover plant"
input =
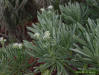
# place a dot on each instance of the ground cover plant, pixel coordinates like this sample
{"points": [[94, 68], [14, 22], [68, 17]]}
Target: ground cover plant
{"points": [[62, 39]]}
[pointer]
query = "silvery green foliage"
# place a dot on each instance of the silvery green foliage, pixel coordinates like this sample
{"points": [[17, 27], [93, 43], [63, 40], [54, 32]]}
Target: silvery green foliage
{"points": [[13, 60], [76, 12], [93, 7], [93, 3], [88, 48], [52, 40], [71, 13]]}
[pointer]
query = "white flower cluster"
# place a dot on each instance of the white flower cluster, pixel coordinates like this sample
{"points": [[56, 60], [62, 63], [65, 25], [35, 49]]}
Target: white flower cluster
{"points": [[2, 39], [37, 35], [46, 35], [49, 7], [18, 45], [42, 9]]}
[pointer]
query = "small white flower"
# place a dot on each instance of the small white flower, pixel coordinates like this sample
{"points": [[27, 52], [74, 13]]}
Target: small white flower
{"points": [[20, 45], [2, 39], [50, 7], [42, 9], [36, 35], [17, 45], [46, 35], [5, 40]]}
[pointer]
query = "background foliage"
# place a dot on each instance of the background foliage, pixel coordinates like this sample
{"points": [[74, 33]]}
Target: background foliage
{"points": [[64, 40]]}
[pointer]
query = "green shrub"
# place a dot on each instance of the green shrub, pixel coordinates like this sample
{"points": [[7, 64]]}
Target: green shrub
{"points": [[52, 40], [13, 60], [88, 50]]}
